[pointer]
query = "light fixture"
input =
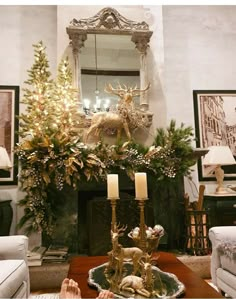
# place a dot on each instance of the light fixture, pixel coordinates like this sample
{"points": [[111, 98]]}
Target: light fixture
{"points": [[86, 106], [217, 156], [5, 162], [100, 104]]}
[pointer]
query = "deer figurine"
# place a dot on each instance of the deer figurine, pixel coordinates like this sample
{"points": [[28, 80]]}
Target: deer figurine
{"points": [[107, 120], [126, 94], [125, 254], [136, 284], [122, 119]]}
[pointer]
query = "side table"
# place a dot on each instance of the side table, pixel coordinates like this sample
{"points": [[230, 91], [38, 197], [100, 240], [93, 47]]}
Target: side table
{"points": [[221, 209]]}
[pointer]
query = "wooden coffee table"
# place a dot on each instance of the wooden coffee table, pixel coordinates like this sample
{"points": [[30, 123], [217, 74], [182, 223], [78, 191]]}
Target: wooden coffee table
{"points": [[195, 286]]}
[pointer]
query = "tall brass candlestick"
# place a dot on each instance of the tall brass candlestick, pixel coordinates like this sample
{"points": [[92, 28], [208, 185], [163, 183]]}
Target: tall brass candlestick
{"points": [[113, 213], [142, 225]]}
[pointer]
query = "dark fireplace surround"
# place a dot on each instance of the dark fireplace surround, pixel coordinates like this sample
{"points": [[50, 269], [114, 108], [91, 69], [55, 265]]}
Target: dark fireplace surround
{"points": [[83, 216]]}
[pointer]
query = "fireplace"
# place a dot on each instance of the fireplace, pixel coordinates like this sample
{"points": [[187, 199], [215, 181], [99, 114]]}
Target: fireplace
{"points": [[94, 220], [83, 216]]}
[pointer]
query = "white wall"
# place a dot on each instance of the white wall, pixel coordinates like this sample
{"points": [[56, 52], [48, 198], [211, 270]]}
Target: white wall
{"points": [[199, 51], [192, 47]]}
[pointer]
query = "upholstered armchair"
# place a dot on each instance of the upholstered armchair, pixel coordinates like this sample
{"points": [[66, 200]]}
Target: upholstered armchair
{"points": [[14, 272], [223, 259]]}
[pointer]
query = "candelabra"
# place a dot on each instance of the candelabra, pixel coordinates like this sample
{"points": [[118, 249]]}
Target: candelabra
{"points": [[142, 240], [146, 239]]}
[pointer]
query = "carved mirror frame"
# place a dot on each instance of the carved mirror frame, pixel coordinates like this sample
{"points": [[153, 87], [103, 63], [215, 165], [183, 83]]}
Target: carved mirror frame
{"points": [[109, 21]]}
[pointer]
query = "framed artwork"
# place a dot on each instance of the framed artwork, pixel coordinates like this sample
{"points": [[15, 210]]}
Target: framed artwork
{"points": [[9, 111], [215, 124]]}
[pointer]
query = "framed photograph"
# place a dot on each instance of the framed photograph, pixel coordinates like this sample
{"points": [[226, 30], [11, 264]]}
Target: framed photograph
{"points": [[9, 111], [215, 124]]}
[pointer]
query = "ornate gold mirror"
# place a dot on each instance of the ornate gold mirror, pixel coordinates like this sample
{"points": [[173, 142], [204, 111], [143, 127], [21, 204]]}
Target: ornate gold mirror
{"points": [[108, 48]]}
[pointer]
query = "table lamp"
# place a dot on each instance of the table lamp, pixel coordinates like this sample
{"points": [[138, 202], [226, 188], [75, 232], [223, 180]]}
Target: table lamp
{"points": [[217, 156], [5, 162]]}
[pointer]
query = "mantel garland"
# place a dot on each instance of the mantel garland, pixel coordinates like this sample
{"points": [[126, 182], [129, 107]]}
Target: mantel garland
{"points": [[51, 151]]}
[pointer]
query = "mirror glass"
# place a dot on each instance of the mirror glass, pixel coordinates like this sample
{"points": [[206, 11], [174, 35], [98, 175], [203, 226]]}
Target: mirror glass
{"points": [[107, 59]]}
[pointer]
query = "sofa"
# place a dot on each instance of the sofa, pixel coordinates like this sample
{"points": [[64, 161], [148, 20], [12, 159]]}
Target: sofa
{"points": [[223, 258], [14, 272]]}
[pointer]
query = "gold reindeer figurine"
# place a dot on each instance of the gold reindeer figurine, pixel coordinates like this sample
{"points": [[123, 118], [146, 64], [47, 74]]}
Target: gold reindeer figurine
{"points": [[124, 118]]}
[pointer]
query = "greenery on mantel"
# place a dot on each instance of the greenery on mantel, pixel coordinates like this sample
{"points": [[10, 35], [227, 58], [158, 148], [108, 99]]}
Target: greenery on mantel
{"points": [[51, 151]]}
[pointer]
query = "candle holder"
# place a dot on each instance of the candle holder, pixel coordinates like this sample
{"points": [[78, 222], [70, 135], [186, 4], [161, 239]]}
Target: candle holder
{"points": [[113, 212], [142, 234]]}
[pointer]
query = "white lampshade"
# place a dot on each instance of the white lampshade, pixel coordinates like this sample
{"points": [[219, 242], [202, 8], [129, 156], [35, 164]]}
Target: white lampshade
{"points": [[5, 162], [219, 155]]}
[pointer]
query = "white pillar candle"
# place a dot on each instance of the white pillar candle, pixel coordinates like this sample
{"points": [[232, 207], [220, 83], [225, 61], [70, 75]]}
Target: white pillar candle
{"points": [[112, 186], [141, 185]]}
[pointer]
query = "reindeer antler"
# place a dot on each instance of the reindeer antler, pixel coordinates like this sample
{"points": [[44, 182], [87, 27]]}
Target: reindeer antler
{"points": [[117, 91], [136, 91], [125, 93], [121, 229]]}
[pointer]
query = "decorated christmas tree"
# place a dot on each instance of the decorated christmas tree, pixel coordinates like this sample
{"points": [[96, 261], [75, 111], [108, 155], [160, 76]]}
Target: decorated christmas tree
{"points": [[37, 97], [65, 104], [49, 136], [52, 106]]}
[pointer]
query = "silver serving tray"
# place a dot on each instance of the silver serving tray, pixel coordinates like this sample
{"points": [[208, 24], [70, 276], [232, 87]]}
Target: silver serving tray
{"points": [[171, 286]]}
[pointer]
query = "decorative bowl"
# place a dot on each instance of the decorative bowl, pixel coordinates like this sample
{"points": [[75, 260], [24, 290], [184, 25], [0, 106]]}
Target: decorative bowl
{"points": [[166, 285], [152, 237], [151, 243]]}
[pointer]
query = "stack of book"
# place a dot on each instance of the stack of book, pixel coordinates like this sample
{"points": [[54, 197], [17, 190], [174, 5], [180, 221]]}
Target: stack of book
{"points": [[55, 254], [35, 256]]}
